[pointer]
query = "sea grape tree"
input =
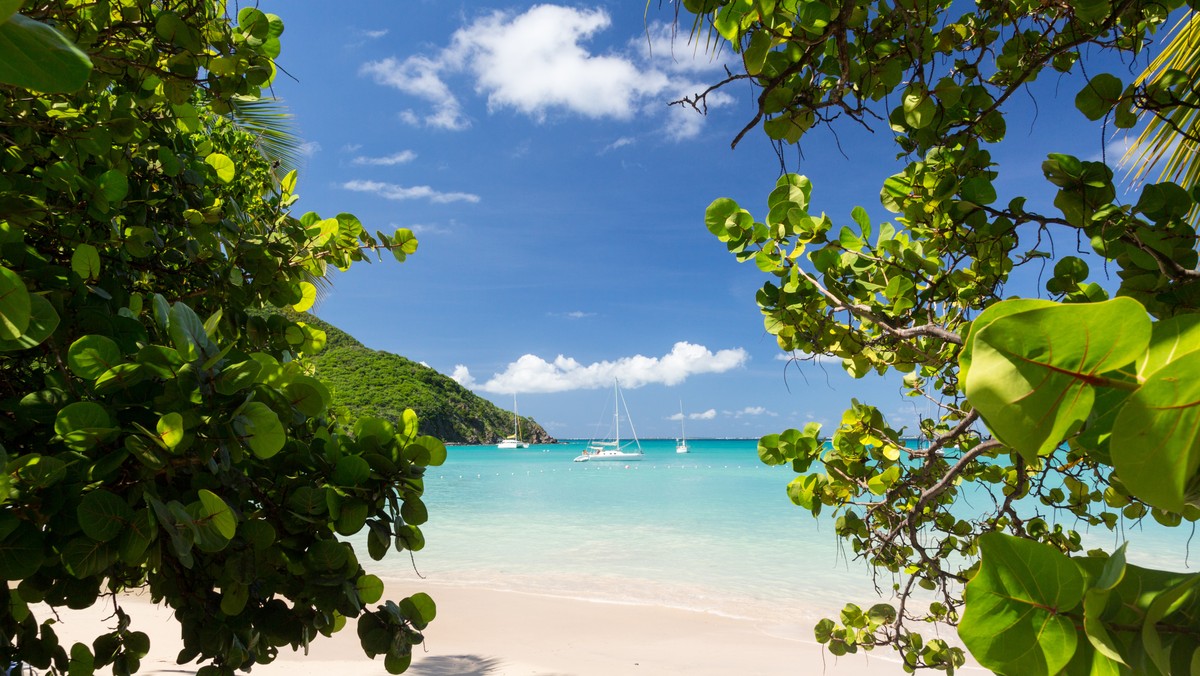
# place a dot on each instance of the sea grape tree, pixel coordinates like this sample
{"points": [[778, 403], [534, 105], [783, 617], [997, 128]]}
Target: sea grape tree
{"points": [[1071, 409], [158, 430]]}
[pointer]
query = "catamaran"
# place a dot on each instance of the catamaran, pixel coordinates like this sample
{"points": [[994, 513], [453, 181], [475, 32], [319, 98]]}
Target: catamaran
{"points": [[681, 443], [514, 441], [612, 449]]}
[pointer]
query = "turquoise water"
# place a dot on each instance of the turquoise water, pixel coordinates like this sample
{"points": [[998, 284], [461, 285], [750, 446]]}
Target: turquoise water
{"points": [[711, 530]]}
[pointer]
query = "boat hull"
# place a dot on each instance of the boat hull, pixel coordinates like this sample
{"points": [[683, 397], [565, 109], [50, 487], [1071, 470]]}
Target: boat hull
{"points": [[609, 456]]}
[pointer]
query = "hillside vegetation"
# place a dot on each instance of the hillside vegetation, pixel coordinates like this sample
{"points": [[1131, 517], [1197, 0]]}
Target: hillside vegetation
{"points": [[382, 384]]}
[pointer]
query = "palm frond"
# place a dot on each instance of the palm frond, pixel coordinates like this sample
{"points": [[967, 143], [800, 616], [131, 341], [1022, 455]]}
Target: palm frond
{"points": [[270, 122], [1170, 136]]}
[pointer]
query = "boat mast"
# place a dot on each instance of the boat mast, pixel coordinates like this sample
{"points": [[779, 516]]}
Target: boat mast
{"points": [[616, 415]]}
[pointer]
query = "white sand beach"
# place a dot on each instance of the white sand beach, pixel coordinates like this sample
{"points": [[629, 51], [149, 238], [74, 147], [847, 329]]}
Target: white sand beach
{"points": [[480, 632]]}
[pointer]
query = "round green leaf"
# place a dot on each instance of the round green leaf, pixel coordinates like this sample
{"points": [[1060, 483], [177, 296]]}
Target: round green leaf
{"points": [[21, 552], [85, 262], [1098, 96], [370, 589], [85, 557], [92, 355], [419, 609], [1155, 441], [36, 56], [1031, 372], [217, 512], [351, 470], [308, 296], [103, 515], [43, 320], [1014, 622], [223, 166], [259, 428], [15, 310], [79, 416], [308, 395], [170, 429], [114, 185]]}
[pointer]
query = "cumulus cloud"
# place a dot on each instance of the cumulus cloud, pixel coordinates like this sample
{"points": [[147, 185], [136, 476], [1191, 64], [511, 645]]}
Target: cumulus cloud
{"points": [[542, 61], [531, 373], [373, 35], [385, 161], [710, 414], [462, 376], [392, 191], [310, 148]]}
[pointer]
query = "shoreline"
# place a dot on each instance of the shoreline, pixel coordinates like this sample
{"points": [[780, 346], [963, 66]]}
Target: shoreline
{"points": [[486, 632]]}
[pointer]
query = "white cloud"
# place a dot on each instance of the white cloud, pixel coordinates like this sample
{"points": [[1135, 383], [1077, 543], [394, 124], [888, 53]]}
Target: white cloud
{"points": [[579, 314], [386, 161], [710, 414], [806, 357], [309, 148], [428, 229], [619, 143], [351, 147], [392, 191], [374, 35], [418, 75], [462, 376], [753, 410], [531, 373], [541, 61]]}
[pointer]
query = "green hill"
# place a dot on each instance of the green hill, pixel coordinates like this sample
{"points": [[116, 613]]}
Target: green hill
{"points": [[382, 384]]}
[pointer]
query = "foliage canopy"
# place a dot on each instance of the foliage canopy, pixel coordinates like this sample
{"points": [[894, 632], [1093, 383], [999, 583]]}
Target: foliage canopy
{"points": [[1067, 411], [153, 431]]}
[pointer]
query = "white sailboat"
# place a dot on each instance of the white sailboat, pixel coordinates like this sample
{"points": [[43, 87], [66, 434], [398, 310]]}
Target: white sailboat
{"points": [[608, 450], [514, 441], [681, 443]]}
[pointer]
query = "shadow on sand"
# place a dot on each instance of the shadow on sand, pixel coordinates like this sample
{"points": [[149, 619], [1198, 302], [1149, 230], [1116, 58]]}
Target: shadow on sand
{"points": [[455, 665]]}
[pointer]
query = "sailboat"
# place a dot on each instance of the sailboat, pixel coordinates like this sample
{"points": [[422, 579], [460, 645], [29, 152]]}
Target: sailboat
{"points": [[681, 443], [514, 441], [598, 451]]}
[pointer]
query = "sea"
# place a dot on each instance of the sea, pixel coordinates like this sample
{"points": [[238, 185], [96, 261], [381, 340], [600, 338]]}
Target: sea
{"points": [[711, 530]]}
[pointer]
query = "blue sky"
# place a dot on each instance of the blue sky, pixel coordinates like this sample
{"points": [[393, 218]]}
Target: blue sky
{"points": [[559, 204]]}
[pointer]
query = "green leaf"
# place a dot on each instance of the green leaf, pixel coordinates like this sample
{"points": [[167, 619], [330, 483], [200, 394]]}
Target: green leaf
{"points": [[260, 430], [1155, 443], [103, 515], [83, 425], [15, 307], [350, 471], [91, 356], [419, 609], [188, 334], [38, 57], [8, 8], [113, 185], [85, 557], [370, 589], [223, 166], [308, 296], [43, 320], [1098, 96], [1032, 372], [1015, 621], [82, 663], [170, 429], [85, 262], [308, 395], [21, 552], [218, 514]]}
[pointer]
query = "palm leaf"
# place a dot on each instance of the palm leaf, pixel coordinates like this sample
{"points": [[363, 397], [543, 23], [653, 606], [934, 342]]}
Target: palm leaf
{"points": [[1171, 136], [270, 122]]}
